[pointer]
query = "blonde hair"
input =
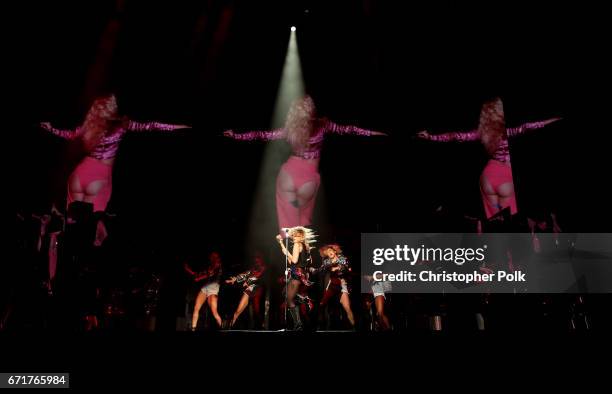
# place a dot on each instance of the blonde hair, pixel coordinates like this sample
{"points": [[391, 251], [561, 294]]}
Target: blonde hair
{"points": [[492, 125], [300, 122], [297, 231], [308, 234], [335, 247], [97, 119]]}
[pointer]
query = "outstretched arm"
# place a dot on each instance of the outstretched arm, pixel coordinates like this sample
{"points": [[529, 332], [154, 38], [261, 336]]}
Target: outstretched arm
{"points": [[153, 126], [349, 129], [268, 135], [458, 136], [514, 131], [66, 134]]}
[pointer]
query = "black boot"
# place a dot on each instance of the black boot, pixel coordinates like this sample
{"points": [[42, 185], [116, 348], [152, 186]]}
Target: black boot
{"points": [[295, 315]]}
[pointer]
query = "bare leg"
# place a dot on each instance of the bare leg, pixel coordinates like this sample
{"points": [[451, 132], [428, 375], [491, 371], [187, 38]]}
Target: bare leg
{"points": [[244, 302], [346, 304], [200, 300], [380, 312], [212, 302]]}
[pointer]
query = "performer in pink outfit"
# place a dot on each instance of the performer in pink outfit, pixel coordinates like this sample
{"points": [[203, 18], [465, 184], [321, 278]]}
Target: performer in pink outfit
{"points": [[101, 132], [496, 182], [298, 180]]}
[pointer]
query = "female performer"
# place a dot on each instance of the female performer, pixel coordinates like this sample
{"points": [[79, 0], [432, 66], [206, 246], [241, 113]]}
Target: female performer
{"points": [[209, 291], [379, 298], [496, 183], [298, 180], [250, 281], [100, 134], [339, 269], [298, 260]]}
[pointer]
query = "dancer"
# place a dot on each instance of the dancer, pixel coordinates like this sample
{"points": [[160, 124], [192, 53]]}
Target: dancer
{"points": [[339, 270], [209, 280], [298, 180], [298, 260], [496, 182], [250, 281], [100, 134], [379, 298]]}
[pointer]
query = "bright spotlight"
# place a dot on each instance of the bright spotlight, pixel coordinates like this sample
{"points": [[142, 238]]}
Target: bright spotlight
{"points": [[293, 28]]}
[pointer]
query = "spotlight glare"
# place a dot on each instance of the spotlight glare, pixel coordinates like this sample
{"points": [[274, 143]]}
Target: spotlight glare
{"points": [[293, 28]]}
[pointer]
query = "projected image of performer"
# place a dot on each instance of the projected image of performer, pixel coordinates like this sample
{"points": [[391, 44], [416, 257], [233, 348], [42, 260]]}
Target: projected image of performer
{"points": [[339, 269], [298, 180], [298, 260], [100, 135], [252, 290], [209, 291], [496, 182]]}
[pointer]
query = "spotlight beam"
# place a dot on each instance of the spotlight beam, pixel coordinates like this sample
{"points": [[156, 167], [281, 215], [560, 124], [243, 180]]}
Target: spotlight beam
{"points": [[264, 222]]}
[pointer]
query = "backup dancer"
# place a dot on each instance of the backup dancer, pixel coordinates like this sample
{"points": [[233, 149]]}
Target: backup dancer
{"points": [[209, 291], [252, 290], [339, 269]]}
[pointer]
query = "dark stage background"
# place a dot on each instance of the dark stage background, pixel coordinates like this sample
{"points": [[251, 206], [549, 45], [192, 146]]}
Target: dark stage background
{"points": [[381, 65]]}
